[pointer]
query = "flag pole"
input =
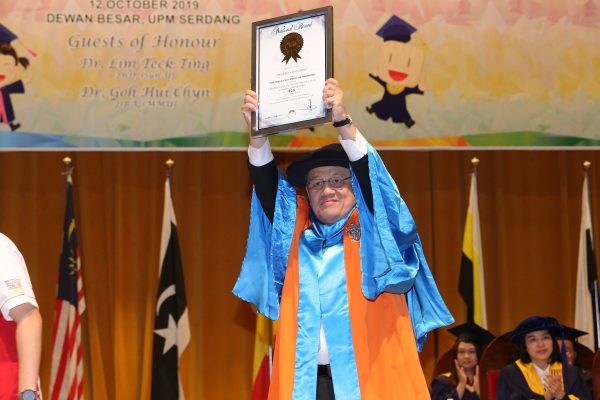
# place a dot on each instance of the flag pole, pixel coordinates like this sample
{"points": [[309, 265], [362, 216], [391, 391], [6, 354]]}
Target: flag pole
{"points": [[68, 167], [474, 165], [586, 166], [170, 164]]}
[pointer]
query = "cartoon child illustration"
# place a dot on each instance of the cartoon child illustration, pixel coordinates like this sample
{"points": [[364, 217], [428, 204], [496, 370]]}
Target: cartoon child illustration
{"points": [[10, 77], [400, 70]]}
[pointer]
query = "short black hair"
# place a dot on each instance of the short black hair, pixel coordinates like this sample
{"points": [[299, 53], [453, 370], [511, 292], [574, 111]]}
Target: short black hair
{"points": [[463, 338], [524, 356]]}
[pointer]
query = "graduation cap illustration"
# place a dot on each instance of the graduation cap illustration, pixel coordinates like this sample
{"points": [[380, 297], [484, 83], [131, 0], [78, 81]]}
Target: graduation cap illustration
{"points": [[396, 29], [473, 332], [8, 36]]}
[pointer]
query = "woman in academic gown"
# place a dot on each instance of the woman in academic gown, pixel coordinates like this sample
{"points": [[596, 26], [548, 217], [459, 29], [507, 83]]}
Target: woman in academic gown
{"points": [[539, 372], [569, 340], [462, 382]]}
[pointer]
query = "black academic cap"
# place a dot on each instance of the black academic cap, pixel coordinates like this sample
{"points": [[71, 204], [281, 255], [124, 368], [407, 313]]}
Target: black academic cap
{"points": [[473, 332], [396, 29], [536, 323], [571, 333], [6, 35], [326, 156]]}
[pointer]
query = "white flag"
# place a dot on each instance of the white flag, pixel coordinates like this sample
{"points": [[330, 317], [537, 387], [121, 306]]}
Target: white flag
{"points": [[586, 301]]}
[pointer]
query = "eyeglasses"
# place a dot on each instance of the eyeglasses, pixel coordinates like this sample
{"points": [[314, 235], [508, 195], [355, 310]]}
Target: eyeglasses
{"points": [[319, 184]]}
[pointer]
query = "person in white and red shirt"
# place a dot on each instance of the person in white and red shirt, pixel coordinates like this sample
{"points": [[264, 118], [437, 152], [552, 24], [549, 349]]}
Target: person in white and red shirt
{"points": [[20, 327]]}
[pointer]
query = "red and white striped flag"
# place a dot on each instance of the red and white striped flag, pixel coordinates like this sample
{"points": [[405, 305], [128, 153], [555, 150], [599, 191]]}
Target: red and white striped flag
{"points": [[66, 377]]}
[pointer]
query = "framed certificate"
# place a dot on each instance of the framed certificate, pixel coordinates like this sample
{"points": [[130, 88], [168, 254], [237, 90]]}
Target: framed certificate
{"points": [[292, 57]]}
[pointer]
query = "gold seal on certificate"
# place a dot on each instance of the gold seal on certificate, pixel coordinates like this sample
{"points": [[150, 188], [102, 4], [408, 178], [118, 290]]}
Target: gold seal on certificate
{"points": [[290, 89], [290, 47]]}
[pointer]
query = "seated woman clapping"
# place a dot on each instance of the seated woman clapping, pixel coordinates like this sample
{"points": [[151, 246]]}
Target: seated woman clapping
{"points": [[462, 382], [539, 372]]}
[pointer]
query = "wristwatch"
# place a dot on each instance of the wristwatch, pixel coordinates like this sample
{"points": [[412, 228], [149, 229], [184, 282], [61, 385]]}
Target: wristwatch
{"points": [[344, 122], [28, 394]]}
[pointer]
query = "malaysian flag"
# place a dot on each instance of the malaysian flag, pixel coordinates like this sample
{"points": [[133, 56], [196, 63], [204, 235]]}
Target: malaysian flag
{"points": [[66, 377]]}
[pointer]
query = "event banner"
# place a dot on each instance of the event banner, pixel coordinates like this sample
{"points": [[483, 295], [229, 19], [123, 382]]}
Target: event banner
{"points": [[172, 73]]}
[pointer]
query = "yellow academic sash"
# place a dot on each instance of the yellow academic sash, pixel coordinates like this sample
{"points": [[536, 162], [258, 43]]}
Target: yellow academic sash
{"points": [[533, 379]]}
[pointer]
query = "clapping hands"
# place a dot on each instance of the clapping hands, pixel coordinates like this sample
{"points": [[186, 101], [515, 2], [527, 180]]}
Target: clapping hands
{"points": [[554, 386]]}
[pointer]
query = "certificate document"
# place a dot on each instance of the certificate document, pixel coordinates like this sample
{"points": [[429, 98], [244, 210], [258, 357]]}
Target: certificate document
{"points": [[292, 59]]}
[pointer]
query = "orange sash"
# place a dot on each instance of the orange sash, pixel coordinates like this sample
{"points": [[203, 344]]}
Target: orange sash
{"points": [[385, 350]]}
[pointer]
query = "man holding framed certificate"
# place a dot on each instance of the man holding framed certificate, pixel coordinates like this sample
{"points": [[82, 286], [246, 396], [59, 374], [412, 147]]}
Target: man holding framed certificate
{"points": [[291, 58], [342, 269]]}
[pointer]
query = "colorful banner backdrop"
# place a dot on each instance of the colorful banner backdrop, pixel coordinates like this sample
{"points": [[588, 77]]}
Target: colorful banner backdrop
{"points": [[157, 73]]}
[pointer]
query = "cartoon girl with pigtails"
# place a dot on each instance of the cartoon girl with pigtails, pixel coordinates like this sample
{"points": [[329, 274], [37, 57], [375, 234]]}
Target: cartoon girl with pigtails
{"points": [[10, 77]]}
